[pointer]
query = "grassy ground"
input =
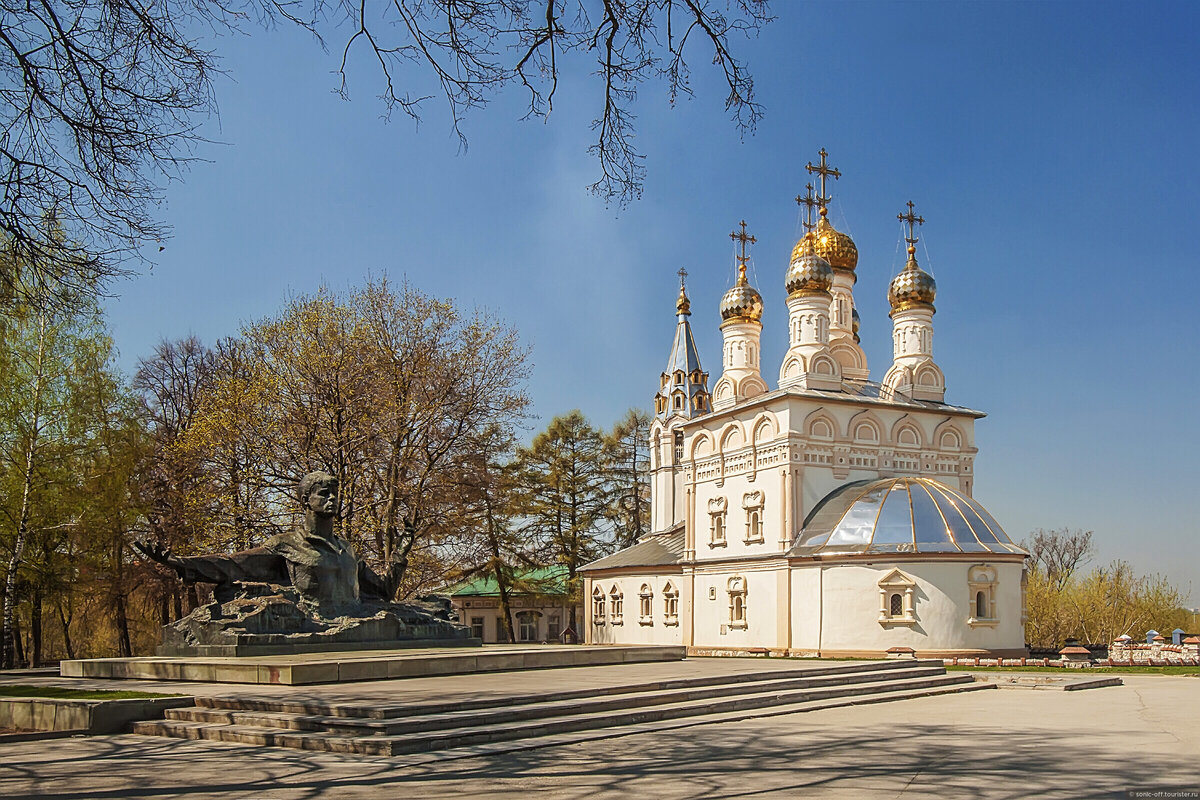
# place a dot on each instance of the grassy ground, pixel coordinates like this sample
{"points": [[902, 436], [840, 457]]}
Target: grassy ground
{"points": [[60, 693], [1173, 670]]}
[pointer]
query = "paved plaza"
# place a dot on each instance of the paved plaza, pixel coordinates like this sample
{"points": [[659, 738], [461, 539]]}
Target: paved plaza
{"points": [[1010, 743]]}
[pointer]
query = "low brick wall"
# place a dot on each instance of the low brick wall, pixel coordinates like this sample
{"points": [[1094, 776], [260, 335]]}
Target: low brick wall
{"points": [[85, 716], [1161, 661]]}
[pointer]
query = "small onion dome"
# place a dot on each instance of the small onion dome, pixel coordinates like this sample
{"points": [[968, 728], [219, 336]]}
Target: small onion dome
{"points": [[856, 320], [808, 274], [835, 247], [912, 287], [683, 305], [742, 303]]}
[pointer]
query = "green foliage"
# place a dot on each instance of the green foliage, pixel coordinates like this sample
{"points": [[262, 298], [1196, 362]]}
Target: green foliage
{"points": [[566, 499], [1091, 672], [388, 389], [1099, 606], [70, 441], [628, 465]]}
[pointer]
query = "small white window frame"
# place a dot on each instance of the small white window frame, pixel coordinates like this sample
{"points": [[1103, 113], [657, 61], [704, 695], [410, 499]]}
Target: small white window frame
{"points": [[718, 528], [752, 502], [896, 582], [670, 605], [738, 614], [616, 606], [646, 605], [982, 579]]}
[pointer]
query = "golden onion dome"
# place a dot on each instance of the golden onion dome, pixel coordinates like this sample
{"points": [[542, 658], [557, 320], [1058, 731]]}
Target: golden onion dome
{"points": [[834, 246], [808, 274], [682, 304], [742, 303], [913, 287]]}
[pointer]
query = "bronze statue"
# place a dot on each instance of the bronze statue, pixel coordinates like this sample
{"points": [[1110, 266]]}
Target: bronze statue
{"points": [[321, 566], [301, 589]]}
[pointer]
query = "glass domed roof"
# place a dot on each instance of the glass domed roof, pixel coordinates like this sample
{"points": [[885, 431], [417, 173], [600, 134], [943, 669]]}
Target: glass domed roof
{"points": [[900, 515]]}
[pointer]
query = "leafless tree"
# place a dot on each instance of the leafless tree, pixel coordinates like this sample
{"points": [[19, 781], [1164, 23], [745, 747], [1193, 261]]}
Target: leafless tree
{"points": [[1060, 552], [101, 102]]}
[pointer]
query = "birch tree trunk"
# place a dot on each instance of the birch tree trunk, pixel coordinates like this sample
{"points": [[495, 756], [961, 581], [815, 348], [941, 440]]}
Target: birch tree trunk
{"points": [[8, 644]]}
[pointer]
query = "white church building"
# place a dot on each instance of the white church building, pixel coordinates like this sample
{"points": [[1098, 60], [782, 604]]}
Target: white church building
{"points": [[832, 515]]}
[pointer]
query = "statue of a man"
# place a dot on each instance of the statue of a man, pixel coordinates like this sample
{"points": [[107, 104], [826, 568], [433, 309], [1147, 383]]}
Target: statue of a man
{"points": [[321, 566]]}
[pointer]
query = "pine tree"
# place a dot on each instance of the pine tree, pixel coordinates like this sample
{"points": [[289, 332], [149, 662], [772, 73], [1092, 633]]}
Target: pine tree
{"points": [[566, 496], [628, 456]]}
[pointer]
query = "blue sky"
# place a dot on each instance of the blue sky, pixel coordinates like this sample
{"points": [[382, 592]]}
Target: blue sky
{"points": [[1051, 148]]}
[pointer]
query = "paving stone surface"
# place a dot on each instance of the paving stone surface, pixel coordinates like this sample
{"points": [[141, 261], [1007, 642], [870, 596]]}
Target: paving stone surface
{"points": [[1099, 743]]}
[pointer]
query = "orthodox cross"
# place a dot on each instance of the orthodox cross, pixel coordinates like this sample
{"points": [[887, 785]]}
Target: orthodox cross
{"points": [[743, 239], [809, 201], [824, 170], [913, 220], [682, 274]]}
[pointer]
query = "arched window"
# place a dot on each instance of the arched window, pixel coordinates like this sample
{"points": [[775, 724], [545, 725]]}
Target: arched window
{"points": [[753, 503], [597, 606], [527, 627], [897, 599], [737, 602], [716, 521], [981, 583], [670, 605], [646, 605], [616, 602]]}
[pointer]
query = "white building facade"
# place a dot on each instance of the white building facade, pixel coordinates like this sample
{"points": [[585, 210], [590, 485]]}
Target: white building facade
{"points": [[830, 516]]}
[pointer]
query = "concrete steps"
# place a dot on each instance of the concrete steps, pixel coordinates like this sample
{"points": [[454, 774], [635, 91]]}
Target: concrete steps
{"points": [[429, 727]]}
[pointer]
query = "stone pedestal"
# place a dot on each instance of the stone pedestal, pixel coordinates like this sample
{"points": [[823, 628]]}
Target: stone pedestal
{"points": [[268, 619]]}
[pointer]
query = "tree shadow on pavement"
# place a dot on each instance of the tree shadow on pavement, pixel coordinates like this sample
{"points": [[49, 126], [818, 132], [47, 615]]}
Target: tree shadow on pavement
{"points": [[763, 758]]}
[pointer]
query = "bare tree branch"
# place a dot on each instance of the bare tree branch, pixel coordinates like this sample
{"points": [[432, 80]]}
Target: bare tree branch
{"points": [[101, 101]]}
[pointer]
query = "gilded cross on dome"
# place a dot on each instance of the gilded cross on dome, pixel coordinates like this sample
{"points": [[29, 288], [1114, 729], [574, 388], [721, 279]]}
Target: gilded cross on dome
{"points": [[824, 170], [913, 220], [682, 304], [809, 201], [743, 238]]}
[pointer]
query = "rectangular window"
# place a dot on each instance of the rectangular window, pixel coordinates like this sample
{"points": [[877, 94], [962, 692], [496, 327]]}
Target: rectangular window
{"points": [[553, 627], [527, 627], [477, 627]]}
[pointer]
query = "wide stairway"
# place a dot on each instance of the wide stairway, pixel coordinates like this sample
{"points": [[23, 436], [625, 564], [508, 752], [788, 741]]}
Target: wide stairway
{"points": [[379, 729]]}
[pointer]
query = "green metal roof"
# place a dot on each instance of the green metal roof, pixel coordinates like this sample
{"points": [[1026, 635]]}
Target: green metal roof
{"points": [[541, 581]]}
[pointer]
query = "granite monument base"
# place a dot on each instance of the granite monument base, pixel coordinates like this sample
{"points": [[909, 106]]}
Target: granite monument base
{"points": [[366, 665], [268, 619]]}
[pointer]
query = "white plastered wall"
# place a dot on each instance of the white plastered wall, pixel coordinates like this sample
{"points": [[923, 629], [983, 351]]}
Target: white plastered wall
{"points": [[764, 605], [632, 629], [837, 607], [742, 459]]}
